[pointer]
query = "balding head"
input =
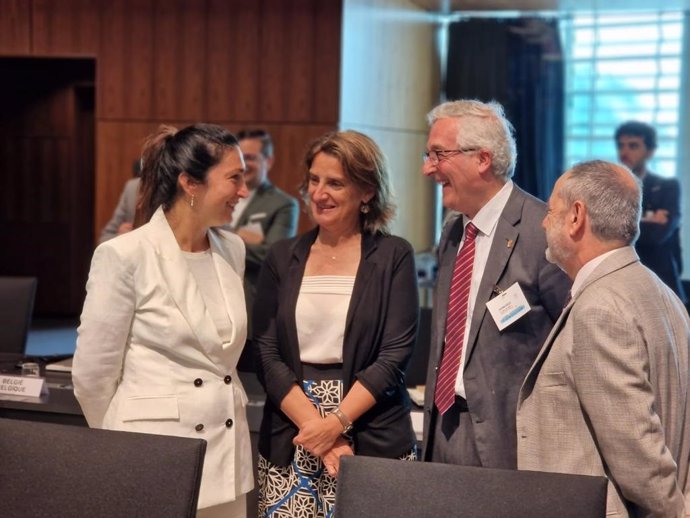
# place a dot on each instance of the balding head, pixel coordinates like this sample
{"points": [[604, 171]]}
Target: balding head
{"points": [[611, 195]]}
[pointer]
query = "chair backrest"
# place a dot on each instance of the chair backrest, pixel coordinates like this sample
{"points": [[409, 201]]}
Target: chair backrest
{"points": [[60, 471], [16, 307], [386, 488]]}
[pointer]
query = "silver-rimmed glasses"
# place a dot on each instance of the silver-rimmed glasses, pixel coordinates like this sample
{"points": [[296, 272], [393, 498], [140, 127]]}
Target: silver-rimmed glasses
{"points": [[436, 155]]}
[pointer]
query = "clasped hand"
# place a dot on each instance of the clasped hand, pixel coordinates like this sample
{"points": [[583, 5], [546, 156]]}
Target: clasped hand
{"points": [[322, 437], [318, 435]]}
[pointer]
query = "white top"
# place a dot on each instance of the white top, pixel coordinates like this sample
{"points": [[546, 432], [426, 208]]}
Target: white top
{"points": [[320, 314], [485, 220], [204, 272]]}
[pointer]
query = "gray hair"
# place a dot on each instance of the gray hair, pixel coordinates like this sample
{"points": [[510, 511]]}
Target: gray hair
{"points": [[613, 204], [486, 127]]}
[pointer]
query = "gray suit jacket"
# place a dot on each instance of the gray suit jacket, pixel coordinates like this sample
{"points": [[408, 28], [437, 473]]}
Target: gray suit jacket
{"points": [[608, 393], [124, 212], [497, 361], [277, 213]]}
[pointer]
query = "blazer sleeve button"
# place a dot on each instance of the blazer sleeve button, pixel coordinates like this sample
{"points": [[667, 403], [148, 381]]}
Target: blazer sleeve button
{"points": [[198, 382], [228, 423], [199, 427], [227, 379]]}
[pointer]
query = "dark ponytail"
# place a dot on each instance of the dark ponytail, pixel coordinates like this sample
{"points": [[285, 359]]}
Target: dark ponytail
{"points": [[167, 153]]}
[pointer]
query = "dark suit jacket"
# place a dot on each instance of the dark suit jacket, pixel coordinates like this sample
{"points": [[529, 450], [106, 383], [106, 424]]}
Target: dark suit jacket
{"points": [[380, 332], [277, 213], [497, 361], [659, 245]]}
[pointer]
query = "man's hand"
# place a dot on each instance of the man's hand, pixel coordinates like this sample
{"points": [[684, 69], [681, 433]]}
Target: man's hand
{"points": [[249, 237], [659, 217], [124, 228]]}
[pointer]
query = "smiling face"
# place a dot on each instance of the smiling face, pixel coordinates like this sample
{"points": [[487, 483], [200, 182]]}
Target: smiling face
{"points": [[257, 165], [334, 199], [215, 199], [458, 174]]}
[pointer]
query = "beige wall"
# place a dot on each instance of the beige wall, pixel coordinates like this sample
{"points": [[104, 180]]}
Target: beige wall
{"points": [[389, 80]]}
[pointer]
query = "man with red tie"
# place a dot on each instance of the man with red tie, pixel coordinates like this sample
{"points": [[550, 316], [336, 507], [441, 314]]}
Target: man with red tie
{"points": [[496, 297]]}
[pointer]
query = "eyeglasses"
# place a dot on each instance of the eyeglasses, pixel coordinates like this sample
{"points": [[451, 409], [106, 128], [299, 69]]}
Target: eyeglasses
{"points": [[436, 155]]}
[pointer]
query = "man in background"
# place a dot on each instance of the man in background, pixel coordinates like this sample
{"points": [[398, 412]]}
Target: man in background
{"points": [[608, 393], [659, 243], [496, 295], [267, 215], [123, 216]]}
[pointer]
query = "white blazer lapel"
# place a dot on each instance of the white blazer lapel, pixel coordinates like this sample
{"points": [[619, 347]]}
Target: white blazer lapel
{"points": [[231, 287], [182, 285]]}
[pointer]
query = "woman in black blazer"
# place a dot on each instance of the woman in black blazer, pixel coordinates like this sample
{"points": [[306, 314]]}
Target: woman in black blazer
{"points": [[335, 321]]}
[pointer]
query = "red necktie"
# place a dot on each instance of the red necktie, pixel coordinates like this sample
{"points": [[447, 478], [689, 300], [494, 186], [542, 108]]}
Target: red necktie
{"points": [[455, 322]]}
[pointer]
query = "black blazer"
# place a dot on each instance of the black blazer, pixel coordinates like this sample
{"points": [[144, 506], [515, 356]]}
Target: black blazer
{"points": [[380, 331]]}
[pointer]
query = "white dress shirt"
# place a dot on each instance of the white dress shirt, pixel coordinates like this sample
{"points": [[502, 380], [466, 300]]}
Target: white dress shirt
{"points": [[587, 270], [485, 220]]}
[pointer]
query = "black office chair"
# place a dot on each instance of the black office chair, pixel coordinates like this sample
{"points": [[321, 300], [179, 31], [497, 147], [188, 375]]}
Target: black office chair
{"points": [[16, 307], [59, 471], [387, 488]]}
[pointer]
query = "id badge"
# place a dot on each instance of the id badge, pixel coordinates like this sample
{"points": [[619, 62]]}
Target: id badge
{"points": [[508, 306]]}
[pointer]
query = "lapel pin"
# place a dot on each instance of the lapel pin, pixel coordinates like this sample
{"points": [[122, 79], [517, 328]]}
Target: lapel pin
{"points": [[509, 243]]}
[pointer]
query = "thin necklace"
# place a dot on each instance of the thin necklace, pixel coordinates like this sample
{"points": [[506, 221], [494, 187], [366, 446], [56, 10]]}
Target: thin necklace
{"points": [[322, 249]]}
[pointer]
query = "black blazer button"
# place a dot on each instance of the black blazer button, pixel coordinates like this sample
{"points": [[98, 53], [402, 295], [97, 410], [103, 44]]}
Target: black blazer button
{"points": [[199, 427], [228, 423], [228, 379], [198, 382]]}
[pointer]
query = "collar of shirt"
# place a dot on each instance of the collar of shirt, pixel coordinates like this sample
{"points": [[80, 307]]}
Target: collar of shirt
{"points": [[486, 219], [587, 270]]}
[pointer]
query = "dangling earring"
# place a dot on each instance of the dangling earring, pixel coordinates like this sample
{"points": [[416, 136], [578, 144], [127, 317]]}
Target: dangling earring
{"points": [[364, 209], [191, 202]]}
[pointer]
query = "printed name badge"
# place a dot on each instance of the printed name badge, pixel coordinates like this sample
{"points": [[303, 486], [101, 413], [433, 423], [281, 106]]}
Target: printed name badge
{"points": [[21, 386], [508, 306]]}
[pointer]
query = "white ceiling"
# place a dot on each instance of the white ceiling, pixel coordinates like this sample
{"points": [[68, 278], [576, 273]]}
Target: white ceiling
{"points": [[449, 6]]}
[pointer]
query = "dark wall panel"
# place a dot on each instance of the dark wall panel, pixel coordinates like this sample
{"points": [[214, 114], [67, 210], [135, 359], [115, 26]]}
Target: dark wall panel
{"points": [[15, 27]]}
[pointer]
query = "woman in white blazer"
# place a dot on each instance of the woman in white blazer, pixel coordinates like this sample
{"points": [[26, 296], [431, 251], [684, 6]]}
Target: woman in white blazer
{"points": [[164, 320]]}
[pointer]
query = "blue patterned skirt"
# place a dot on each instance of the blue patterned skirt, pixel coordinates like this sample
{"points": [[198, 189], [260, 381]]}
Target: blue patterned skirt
{"points": [[304, 489]]}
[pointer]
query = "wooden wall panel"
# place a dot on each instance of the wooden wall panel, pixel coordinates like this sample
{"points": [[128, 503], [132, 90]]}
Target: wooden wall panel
{"points": [[301, 73], [124, 87], [67, 27], [326, 75], [179, 29], [273, 71], [233, 58], [240, 63], [37, 190], [15, 27]]}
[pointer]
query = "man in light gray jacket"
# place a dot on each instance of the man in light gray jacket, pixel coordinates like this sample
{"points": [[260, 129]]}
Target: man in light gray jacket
{"points": [[608, 392]]}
